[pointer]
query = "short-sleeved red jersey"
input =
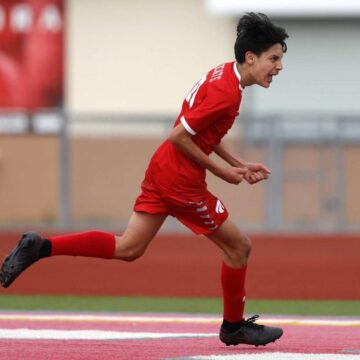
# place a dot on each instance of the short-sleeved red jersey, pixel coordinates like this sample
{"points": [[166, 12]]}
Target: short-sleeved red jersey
{"points": [[207, 113]]}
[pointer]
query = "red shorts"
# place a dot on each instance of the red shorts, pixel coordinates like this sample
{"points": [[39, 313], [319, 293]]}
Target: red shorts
{"points": [[202, 216]]}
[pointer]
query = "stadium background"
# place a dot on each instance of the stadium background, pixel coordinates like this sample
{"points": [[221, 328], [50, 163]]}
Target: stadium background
{"points": [[127, 67]]}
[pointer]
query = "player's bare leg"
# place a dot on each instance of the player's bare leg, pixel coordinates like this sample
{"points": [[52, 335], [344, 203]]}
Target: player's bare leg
{"points": [[235, 245], [235, 329], [140, 230]]}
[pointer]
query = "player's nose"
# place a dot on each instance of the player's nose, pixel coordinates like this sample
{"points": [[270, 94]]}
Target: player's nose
{"points": [[279, 65]]}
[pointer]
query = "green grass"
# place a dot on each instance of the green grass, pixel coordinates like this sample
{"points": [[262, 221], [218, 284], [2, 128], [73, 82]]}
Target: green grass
{"points": [[184, 305]]}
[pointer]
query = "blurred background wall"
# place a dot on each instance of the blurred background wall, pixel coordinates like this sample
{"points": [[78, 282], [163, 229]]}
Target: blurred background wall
{"points": [[128, 66]]}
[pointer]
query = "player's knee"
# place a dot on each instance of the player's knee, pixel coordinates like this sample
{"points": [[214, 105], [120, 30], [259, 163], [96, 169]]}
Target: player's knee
{"points": [[239, 255], [130, 255], [127, 251], [246, 246]]}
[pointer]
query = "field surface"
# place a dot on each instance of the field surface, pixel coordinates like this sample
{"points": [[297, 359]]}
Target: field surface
{"points": [[97, 309], [87, 335]]}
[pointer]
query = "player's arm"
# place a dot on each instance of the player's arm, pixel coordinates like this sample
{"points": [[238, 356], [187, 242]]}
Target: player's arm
{"points": [[255, 172], [182, 140], [222, 152]]}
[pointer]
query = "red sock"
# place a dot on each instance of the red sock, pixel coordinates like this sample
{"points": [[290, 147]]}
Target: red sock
{"points": [[233, 285], [92, 244]]}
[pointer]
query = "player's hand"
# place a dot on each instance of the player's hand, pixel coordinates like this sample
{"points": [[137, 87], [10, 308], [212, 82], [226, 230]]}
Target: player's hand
{"points": [[256, 172], [232, 175]]}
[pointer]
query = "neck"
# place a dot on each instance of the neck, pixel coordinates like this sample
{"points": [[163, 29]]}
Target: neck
{"points": [[245, 76]]}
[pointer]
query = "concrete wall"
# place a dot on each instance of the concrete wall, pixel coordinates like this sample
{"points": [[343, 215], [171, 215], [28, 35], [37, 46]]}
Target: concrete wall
{"points": [[29, 173], [105, 177]]}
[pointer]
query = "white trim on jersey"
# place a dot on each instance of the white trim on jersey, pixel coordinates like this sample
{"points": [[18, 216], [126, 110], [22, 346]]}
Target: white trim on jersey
{"points": [[186, 126], [237, 75]]}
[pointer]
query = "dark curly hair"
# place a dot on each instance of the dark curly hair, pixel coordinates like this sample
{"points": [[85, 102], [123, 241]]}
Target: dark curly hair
{"points": [[256, 33]]}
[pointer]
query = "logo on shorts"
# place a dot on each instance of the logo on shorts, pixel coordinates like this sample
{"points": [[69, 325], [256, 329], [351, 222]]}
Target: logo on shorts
{"points": [[219, 207]]}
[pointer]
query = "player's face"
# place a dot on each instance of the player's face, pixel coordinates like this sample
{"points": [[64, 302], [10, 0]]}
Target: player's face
{"points": [[267, 65]]}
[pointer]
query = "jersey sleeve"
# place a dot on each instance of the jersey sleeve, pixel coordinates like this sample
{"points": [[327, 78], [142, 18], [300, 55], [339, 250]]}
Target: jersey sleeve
{"points": [[215, 105]]}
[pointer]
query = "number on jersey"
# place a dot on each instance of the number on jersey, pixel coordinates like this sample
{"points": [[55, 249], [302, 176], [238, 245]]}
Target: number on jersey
{"points": [[190, 98]]}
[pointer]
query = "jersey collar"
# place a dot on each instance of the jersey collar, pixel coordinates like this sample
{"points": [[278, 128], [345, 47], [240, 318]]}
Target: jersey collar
{"points": [[238, 76]]}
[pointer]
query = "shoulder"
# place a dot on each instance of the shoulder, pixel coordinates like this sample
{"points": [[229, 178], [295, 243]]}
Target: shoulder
{"points": [[222, 83]]}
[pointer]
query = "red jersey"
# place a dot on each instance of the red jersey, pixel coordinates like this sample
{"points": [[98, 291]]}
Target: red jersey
{"points": [[207, 113]]}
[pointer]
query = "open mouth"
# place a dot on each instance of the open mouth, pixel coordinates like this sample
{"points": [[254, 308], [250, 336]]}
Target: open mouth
{"points": [[269, 78]]}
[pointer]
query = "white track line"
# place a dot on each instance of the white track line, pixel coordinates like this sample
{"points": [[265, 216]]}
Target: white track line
{"points": [[170, 319]]}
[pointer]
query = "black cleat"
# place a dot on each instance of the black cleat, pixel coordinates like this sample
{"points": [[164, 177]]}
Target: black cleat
{"points": [[250, 333], [21, 257]]}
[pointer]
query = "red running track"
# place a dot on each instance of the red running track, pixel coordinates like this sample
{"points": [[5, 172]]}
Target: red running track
{"points": [[340, 337]]}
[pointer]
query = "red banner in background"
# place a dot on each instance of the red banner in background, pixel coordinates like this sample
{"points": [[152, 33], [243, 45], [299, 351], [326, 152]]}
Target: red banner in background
{"points": [[31, 53]]}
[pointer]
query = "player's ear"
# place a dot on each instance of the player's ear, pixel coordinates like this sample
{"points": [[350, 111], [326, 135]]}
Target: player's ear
{"points": [[249, 57]]}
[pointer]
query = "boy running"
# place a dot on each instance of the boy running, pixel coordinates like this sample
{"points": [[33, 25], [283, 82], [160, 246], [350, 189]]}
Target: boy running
{"points": [[175, 185]]}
